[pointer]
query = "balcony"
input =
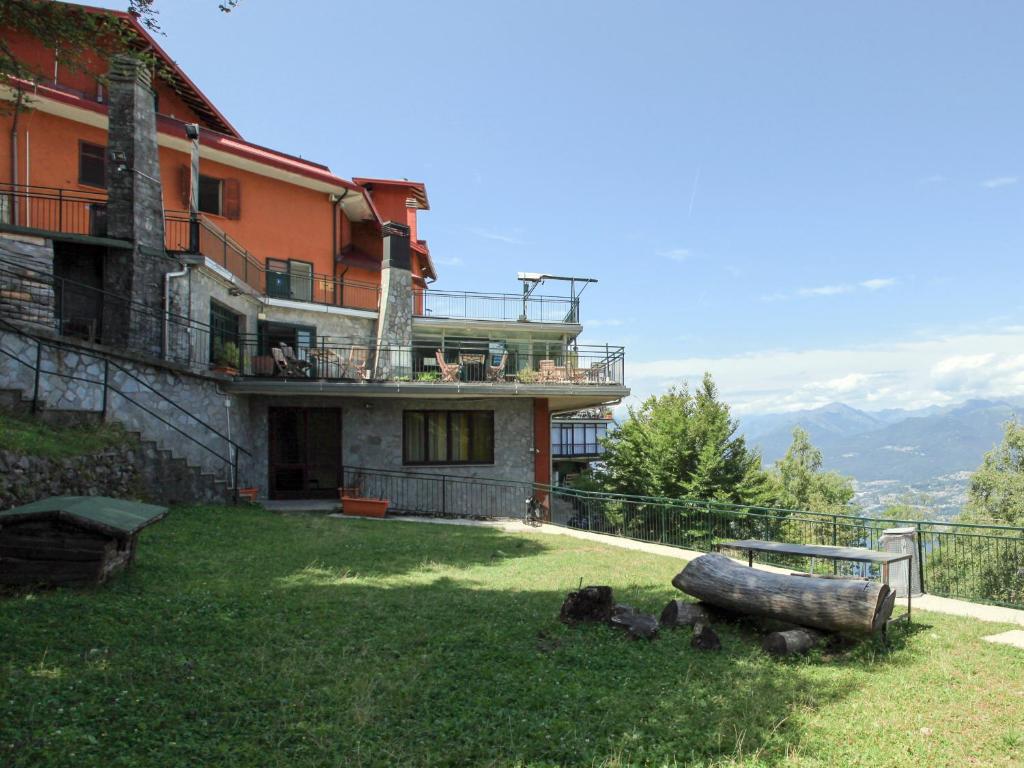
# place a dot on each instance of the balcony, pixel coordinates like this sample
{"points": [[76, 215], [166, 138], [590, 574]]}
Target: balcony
{"points": [[508, 307], [37, 209], [491, 364]]}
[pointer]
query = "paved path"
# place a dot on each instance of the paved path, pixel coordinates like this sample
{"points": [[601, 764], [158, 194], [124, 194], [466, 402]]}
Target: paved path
{"points": [[932, 603]]}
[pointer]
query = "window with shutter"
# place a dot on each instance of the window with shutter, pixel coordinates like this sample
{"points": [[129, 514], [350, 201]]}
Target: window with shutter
{"points": [[211, 195], [232, 198]]}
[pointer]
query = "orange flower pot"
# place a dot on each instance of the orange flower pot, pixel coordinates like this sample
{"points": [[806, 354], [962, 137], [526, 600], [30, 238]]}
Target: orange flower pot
{"points": [[351, 505]]}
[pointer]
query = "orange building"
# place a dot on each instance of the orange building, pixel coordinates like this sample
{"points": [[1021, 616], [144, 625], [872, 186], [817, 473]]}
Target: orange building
{"points": [[135, 219]]}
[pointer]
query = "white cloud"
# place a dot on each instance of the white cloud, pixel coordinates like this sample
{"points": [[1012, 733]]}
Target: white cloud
{"points": [[894, 374], [825, 290], [874, 284], [878, 282], [1000, 181], [676, 254]]}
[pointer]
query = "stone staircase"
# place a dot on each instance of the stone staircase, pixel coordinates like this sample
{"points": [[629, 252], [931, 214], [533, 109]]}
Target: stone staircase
{"points": [[161, 475]]}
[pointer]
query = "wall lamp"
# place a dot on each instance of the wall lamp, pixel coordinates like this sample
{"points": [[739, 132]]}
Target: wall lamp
{"points": [[192, 131]]}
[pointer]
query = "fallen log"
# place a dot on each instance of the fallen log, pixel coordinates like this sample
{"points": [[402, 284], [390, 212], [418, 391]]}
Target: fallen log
{"points": [[639, 625], [680, 613], [835, 605], [791, 641]]}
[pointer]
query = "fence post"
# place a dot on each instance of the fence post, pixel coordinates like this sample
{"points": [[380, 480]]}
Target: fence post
{"points": [[835, 541], [444, 495], [920, 560], [39, 363]]}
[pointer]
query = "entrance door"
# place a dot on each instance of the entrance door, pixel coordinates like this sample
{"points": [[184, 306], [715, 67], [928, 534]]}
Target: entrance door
{"points": [[305, 452]]}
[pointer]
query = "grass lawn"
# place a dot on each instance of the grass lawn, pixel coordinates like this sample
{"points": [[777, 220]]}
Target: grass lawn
{"points": [[23, 434], [246, 638]]}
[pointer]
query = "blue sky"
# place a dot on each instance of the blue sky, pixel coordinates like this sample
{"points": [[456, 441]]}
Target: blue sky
{"points": [[814, 201]]}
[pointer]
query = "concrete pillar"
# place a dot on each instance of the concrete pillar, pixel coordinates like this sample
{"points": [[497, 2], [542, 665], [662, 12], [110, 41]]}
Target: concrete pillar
{"points": [[394, 318]]}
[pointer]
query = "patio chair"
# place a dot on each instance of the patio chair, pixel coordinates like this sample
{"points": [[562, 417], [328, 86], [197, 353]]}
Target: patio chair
{"points": [[449, 371], [497, 372], [328, 363], [282, 366], [358, 359], [289, 355], [551, 372]]}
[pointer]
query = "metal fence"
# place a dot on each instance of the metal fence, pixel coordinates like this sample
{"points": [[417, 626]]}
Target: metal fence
{"points": [[471, 305], [983, 563], [53, 209]]}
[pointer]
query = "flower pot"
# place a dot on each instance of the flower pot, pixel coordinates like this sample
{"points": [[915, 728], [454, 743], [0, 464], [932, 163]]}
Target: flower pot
{"points": [[351, 505]]}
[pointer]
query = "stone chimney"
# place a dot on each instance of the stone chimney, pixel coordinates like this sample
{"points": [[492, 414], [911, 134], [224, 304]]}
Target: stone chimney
{"points": [[134, 210], [394, 318]]}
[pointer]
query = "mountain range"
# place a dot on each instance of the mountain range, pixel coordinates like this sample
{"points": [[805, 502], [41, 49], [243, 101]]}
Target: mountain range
{"points": [[894, 453]]}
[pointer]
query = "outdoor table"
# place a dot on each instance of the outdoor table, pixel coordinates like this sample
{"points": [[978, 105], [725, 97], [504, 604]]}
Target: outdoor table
{"points": [[852, 554]]}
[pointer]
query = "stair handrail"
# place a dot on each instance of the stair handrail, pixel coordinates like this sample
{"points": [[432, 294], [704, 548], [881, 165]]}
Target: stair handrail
{"points": [[57, 344]]}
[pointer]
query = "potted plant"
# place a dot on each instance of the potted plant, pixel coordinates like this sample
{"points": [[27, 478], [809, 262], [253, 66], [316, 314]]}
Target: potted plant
{"points": [[225, 357], [354, 503]]}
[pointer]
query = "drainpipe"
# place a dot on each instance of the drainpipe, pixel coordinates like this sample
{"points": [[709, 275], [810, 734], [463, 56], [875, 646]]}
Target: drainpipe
{"points": [[167, 305], [335, 249]]}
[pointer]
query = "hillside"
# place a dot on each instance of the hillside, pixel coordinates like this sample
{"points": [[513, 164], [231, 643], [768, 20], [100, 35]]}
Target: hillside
{"points": [[891, 453]]}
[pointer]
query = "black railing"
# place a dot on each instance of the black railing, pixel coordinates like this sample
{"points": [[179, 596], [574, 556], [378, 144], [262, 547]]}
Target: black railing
{"points": [[53, 209], [961, 560], [363, 360], [183, 235], [576, 450], [496, 306], [99, 372], [73, 309]]}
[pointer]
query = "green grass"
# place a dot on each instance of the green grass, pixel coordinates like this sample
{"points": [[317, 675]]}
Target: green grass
{"points": [[245, 638], [35, 437]]}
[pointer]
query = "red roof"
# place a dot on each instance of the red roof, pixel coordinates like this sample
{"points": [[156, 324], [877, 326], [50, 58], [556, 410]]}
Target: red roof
{"points": [[189, 92], [417, 188]]}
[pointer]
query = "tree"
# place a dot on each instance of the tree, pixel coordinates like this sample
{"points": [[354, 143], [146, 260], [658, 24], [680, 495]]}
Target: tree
{"points": [[996, 492], [684, 445], [802, 484], [72, 30]]}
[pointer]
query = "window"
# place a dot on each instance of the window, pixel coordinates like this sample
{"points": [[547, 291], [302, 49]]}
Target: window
{"points": [[225, 327], [92, 164], [290, 279], [448, 437], [211, 196]]}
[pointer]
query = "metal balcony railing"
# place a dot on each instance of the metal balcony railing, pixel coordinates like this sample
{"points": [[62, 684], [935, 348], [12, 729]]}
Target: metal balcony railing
{"points": [[53, 209], [204, 237], [469, 305], [361, 360]]}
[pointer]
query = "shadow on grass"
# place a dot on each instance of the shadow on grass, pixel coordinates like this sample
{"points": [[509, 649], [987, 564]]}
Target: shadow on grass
{"points": [[226, 646]]}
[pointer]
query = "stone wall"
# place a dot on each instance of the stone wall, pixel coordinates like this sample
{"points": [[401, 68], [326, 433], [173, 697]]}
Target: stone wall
{"points": [[177, 428], [372, 438], [134, 470], [22, 261]]}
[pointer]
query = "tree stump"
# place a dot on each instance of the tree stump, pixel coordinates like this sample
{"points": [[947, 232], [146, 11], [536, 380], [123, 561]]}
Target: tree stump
{"points": [[680, 613], [834, 605], [587, 604]]}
